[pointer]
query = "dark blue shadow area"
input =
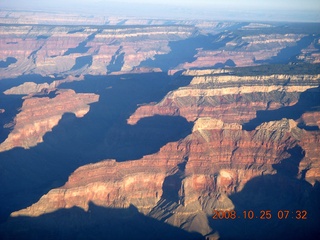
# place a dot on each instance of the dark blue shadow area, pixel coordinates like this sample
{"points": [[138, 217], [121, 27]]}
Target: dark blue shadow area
{"points": [[81, 48], [275, 193], [308, 101], [184, 51], [11, 104], [8, 62], [289, 54], [44, 94], [116, 62], [101, 134], [96, 223], [42, 37], [13, 82], [81, 62], [76, 31]]}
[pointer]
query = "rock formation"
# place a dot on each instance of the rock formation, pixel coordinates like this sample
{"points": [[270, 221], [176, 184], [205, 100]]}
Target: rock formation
{"points": [[185, 180], [69, 50], [39, 115], [218, 159], [32, 88], [231, 98]]}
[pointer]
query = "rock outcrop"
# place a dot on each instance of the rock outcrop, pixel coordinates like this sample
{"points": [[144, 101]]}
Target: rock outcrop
{"points": [[240, 51], [185, 180], [39, 115], [70, 50], [230, 98], [32, 88]]}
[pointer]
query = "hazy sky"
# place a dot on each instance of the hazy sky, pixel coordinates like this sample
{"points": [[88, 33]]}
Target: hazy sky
{"points": [[291, 10]]}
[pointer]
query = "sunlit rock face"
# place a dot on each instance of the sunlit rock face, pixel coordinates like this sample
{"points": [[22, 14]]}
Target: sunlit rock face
{"points": [[246, 121], [230, 98], [183, 182], [219, 159], [39, 115], [71, 50]]}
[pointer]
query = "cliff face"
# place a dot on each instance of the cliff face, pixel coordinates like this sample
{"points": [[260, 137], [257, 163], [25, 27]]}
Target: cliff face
{"points": [[33, 88], [190, 177], [186, 180], [247, 122], [248, 50], [230, 98], [49, 44], [39, 115], [74, 50]]}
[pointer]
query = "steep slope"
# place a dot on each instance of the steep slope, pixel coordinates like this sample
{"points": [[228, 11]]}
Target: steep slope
{"points": [[39, 115], [219, 159], [73, 50], [230, 98]]}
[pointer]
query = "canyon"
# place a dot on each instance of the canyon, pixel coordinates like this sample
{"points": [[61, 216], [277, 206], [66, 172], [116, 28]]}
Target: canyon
{"points": [[142, 128]]}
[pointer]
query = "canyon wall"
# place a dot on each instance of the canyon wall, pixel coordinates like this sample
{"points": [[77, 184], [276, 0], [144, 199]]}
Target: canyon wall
{"points": [[186, 180], [249, 125], [230, 98], [71, 50], [219, 159], [38, 116]]}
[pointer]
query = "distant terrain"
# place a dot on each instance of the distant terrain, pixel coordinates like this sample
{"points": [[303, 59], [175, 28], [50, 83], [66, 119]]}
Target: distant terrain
{"points": [[128, 128]]}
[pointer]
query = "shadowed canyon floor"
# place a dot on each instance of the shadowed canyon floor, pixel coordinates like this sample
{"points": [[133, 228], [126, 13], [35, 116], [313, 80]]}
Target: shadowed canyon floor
{"points": [[104, 134], [141, 129]]}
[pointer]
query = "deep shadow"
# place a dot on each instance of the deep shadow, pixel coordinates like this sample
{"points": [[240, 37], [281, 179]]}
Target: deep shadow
{"points": [[42, 37], [279, 192], [96, 223], [116, 62], [45, 93], [76, 31], [172, 184], [185, 50], [82, 62], [81, 48], [12, 103], [102, 133], [8, 62], [289, 53], [308, 101]]}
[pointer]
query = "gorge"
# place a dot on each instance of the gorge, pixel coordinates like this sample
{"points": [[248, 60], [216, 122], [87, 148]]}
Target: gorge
{"points": [[142, 129]]}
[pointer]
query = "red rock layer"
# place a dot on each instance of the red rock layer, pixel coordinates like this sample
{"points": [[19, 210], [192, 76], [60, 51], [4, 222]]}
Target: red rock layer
{"points": [[229, 98], [39, 115], [220, 159], [311, 118], [245, 50], [49, 50]]}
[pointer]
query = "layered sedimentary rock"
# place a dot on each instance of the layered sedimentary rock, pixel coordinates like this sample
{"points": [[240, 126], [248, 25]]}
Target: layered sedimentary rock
{"points": [[39, 115], [75, 50], [309, 167], [311, 53], [185, 180], [27, 88], [311, 118], [104, 49], [247, 50], [230, 98], [218, 158]]}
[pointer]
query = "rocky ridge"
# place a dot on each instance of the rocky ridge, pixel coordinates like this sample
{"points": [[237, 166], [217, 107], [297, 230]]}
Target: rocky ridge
{"points": [[233, 157], [231, 98], [71, 50], [36, 117]]}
